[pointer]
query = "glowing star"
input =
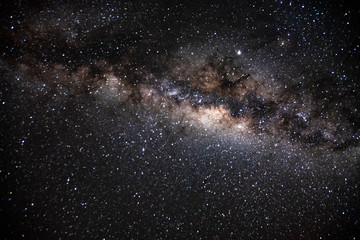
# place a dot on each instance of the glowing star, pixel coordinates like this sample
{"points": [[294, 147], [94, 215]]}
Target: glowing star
{"points": [[240, 126], [238, 52]]}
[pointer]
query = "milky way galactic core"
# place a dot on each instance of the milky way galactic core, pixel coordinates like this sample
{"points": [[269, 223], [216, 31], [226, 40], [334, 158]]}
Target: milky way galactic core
{"points": [[190, 120]]}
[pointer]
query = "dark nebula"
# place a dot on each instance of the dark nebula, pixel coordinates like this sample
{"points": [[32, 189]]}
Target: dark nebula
{"points": [[180, 120]]}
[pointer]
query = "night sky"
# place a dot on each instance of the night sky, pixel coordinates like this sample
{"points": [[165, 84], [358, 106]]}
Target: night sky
{"points": [[180, 120]]}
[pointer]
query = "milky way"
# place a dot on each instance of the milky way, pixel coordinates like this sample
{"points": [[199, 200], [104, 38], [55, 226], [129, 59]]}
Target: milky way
{"points": [[188, 120]]}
